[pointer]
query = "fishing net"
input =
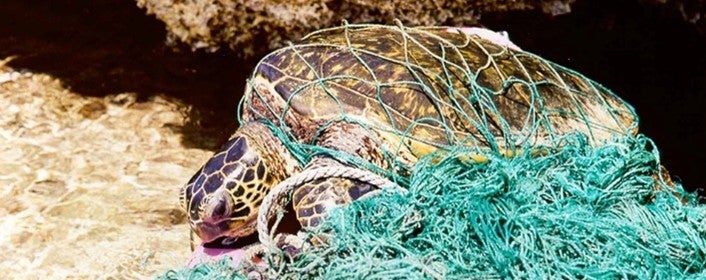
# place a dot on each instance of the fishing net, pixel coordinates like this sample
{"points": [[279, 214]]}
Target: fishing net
{"points": [[510, 166]]}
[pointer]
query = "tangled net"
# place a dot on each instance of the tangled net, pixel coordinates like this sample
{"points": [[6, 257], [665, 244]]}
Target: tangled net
{"points": [[536, 171]]}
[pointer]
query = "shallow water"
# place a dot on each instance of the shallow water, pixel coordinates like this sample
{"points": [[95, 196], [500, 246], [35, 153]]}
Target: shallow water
{"points": [[90, 184]]}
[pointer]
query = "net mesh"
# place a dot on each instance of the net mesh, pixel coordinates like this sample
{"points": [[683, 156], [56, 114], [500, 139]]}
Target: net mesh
{"points": [[515, 167], [425, 89]]}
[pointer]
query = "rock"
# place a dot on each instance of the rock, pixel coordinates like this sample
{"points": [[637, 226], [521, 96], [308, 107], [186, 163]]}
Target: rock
{"points": [[245, 26]]}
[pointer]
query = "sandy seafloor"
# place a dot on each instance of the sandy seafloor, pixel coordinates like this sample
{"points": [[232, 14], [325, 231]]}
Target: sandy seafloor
{"points": [[89, 185]]}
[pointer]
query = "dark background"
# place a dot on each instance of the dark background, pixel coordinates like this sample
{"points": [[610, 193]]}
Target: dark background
{"points": [[648, 55]]}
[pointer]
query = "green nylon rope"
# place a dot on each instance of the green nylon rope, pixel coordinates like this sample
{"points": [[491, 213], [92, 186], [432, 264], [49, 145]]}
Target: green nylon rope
{"points": [[581, 212]]}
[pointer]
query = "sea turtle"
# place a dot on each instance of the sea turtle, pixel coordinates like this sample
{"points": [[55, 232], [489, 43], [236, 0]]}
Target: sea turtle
{"points": [[387, 95]]}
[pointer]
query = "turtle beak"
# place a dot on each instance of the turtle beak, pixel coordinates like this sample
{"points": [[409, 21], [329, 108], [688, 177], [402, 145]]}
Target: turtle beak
{"points": [[227, 229], [211, 230], [215, 219]]}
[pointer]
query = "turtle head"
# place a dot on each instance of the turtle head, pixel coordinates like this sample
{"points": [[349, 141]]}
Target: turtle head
{"points": [[222, 199]]}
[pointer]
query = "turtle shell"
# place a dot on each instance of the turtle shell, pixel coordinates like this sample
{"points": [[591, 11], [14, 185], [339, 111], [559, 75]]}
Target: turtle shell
{"points": [[436, 86]]}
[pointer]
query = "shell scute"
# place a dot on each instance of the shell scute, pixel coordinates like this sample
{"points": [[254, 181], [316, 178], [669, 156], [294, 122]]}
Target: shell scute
{"points": [[442, 87]]}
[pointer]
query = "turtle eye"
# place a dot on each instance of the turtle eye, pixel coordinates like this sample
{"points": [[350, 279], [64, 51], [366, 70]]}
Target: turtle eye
{"points": [[220, 205]]}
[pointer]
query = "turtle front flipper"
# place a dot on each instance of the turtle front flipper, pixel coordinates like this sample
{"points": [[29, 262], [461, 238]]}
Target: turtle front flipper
{"points": [[313, 200]]}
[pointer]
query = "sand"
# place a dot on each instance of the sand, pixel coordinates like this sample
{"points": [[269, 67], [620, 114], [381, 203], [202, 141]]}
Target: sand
{"points": [[89, 185]]}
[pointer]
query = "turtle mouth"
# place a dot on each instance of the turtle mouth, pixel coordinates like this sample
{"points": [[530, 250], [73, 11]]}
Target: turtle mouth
{"points": [[227, 232], [223, 242], [210, 231]]}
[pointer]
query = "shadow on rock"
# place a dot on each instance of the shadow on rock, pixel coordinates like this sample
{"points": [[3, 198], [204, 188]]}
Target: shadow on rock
{"points": [[100, 48]]}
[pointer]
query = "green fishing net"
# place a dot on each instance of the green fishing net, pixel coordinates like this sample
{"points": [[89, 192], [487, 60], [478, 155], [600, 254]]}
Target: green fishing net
{"points": [[582, 212], [536, 171]]}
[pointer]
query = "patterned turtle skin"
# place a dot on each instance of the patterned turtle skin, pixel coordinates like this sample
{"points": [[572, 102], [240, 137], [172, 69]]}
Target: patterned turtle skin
{"points": [[349, 89]]}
